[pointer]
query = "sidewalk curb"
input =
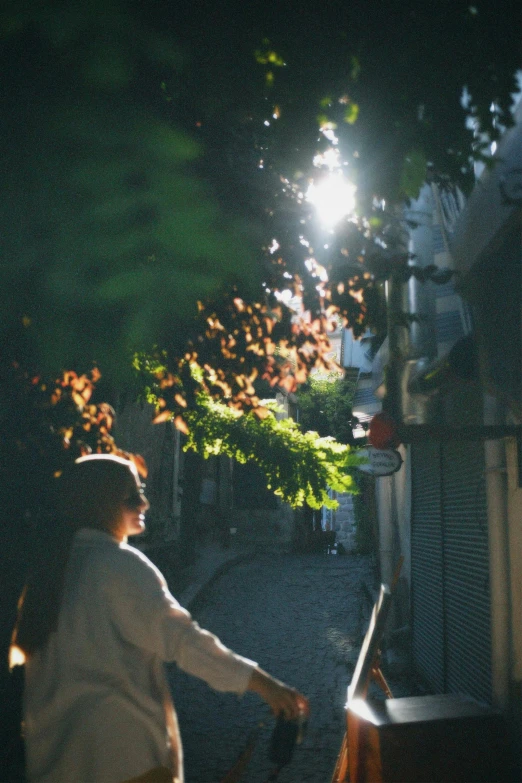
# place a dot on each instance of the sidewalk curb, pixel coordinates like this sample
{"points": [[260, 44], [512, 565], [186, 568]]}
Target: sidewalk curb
{"points": [[194, 595]]}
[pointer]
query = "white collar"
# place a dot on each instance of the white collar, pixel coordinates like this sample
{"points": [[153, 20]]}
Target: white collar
{"points": [[94, 534]]}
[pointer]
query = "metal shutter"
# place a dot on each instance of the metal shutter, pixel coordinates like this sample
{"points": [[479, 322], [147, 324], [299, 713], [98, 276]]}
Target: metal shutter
{"points": [[466, 557], [450, 569], [427, 565]]}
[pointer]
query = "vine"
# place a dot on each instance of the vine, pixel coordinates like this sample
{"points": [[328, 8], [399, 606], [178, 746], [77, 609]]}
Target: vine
{"points": [[299, 467]]}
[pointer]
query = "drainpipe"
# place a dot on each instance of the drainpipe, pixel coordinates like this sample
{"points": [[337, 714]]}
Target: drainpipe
{"points": [[421, 338], [384, 497], [499, 570], [412, 348]]}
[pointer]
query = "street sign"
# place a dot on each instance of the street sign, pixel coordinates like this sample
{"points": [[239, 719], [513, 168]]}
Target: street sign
{"points": [[381, 462]]}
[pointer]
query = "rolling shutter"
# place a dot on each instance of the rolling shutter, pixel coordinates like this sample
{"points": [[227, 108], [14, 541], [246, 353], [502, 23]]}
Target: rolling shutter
{"points": [[466, 557], [427, 566], [450, 569]]}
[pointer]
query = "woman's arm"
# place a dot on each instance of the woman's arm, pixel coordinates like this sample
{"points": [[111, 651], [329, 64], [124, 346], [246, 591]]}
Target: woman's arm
{"points": [[278, 696], [148, 616]]}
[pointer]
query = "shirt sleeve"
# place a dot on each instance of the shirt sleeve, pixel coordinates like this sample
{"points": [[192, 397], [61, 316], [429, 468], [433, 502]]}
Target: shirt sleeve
{"points": [[148, 616]]}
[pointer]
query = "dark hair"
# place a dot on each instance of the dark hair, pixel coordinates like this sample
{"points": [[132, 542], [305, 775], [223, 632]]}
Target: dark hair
{"points": [[89, 494]]}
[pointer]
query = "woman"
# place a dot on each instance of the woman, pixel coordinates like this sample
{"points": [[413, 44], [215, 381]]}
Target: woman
{"points": [[96, 623]]}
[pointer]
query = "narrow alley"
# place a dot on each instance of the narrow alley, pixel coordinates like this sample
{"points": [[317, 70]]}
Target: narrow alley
{"points": [[301, 617]]}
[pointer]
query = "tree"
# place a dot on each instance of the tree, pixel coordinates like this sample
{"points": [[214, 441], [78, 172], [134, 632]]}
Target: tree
{"points": [[122, 162], [156, 213], [390, 74], [325, 406], [109, 235], [112, 229], [371, 77], [300, 467]]}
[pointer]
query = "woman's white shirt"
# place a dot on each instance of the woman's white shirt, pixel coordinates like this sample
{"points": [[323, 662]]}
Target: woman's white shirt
{"points": [[97, 705]]}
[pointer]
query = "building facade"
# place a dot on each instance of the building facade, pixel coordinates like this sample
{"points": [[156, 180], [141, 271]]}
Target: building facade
{"points": [[454, 510]]}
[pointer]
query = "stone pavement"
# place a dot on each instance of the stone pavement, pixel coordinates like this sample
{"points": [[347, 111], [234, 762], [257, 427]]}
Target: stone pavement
{"points": [[212, 561], [302, 617]]}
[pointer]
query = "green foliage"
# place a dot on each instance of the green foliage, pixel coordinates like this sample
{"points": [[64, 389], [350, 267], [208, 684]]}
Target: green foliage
{"points": [[110, 236], [365, 513], [351, 113], [299, 467], [267, 56], [118, 221], [387, 58], [112, 231], [413, 173], [325, 406]]}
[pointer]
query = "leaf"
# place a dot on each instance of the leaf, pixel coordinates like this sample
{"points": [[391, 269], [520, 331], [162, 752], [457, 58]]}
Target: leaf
{"points": [[289, 383], [269, 56], [413, 173], [355, 69], [163, 416], [261, 412], [351, 113], [181, 425], [180, 400], [325, 102], [141, 465]]}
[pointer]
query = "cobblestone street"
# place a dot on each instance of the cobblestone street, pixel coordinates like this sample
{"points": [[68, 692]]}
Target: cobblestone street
{"points": [[301, 617]]}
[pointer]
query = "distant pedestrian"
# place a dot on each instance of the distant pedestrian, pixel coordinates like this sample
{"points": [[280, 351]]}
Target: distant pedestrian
{"points": [[96, 622]]}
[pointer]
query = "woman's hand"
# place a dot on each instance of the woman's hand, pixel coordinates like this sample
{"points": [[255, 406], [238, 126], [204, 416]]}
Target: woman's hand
{"points": [[279, 696]]}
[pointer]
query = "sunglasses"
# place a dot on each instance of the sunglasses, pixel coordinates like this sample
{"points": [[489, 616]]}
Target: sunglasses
{"points": [[135, 499]]}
